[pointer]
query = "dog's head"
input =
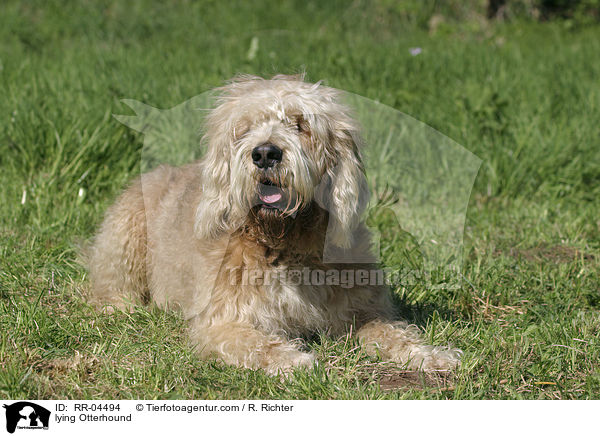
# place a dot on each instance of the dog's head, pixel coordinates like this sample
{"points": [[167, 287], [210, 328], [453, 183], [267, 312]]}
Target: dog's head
{"points": [[277, 148]]}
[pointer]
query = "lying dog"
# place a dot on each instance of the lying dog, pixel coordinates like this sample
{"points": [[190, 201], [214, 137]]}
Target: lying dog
{"points": [[281, 184]]}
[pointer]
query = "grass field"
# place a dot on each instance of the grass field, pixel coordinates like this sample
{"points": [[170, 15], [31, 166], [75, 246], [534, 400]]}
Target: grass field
{"points": [[523, 96]]}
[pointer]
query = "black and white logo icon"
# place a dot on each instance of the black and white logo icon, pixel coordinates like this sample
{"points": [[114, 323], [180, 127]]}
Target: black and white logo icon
{"points": [[26, 415]]}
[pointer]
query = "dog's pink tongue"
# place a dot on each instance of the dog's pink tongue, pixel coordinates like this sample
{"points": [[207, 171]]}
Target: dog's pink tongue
{"points": [[271, 198]]}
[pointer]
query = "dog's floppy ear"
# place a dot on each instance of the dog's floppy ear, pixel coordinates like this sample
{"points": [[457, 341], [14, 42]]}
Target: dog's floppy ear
{"points": [[344, 192], [213, 214]]}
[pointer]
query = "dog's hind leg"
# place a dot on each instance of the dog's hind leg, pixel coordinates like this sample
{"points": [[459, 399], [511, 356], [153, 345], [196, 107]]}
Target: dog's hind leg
{"points": [[117, 258], [402, 343]]}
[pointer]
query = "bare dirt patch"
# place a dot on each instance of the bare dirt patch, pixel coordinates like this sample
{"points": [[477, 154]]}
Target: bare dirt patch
{"points": [[551, 253], [415, 380]]}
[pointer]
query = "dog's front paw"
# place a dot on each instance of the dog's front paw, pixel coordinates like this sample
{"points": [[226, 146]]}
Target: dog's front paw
{"points": [[403, 343], [429, 357], [283, 360]]}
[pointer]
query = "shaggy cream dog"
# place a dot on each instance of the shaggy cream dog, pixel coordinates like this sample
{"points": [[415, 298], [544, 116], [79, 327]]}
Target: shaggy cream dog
{"points": [[232, 240]]}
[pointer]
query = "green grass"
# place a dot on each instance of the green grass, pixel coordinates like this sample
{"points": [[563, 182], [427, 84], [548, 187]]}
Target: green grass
{"points": [[524, 97]]}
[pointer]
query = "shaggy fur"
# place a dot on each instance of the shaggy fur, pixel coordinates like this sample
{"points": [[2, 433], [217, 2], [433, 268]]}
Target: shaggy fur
{"points": [[189, 237]]}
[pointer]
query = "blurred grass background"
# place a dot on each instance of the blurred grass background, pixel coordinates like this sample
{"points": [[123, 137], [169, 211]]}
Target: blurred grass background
{"points": [[514, 82]]}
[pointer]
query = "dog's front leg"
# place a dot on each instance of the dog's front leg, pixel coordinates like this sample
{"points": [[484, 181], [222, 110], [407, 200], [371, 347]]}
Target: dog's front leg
{"points": [[403, 343], [241, 344]]}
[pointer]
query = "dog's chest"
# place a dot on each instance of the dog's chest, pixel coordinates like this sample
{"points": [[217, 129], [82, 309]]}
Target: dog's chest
{"points": [[277, 291], [289, 302]]}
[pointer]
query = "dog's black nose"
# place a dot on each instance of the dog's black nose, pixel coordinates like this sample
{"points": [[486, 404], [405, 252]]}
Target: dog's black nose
{"points": [[266, 155]]}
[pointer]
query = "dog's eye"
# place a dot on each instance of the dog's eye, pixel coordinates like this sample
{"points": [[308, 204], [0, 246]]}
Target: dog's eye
{"points": [[240, 130], [300, 125]]}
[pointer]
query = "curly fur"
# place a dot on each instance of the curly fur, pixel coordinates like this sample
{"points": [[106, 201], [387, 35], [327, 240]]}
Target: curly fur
{"points": [[184, 237]]}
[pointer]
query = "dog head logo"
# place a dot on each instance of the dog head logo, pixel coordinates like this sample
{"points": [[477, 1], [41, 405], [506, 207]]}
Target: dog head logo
{"points": [[284, 156], [26, 415]]}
